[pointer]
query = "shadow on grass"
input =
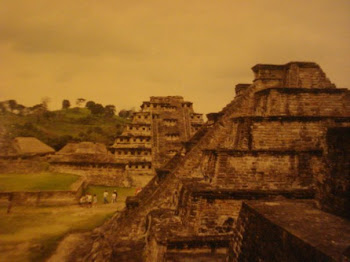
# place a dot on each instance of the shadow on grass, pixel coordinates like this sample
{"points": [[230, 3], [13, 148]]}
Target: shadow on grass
{"points": [[42, 249]]}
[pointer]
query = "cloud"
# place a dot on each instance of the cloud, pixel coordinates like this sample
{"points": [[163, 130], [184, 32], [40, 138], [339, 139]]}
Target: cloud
{"points": [[122, 52], [36, 27]]}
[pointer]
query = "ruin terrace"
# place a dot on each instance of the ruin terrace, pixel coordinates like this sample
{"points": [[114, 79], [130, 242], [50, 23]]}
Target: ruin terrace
{"points": [[266, 179]]}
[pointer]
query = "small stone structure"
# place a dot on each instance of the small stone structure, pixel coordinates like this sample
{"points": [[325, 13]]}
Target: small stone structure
{"points": [[93, 161], [252, 185], [24, 147]]}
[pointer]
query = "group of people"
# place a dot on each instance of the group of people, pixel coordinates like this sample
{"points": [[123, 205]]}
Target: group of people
{"points": [[114, 197], [89, 200]]}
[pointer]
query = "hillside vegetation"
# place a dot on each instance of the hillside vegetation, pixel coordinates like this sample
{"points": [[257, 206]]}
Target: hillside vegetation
{"points": [[56, 128]]}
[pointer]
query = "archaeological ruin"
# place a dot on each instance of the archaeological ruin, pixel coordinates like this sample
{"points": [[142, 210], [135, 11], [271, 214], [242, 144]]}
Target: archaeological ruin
{"points": [[156, 133], [265, 179]]}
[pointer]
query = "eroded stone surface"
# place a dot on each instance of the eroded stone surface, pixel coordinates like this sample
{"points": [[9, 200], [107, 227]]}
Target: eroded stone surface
{"points": [[268, 145]]}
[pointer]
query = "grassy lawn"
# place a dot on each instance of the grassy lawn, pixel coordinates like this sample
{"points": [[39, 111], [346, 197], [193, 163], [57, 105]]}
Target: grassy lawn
{"points": [[32, 233], [35, 182]]}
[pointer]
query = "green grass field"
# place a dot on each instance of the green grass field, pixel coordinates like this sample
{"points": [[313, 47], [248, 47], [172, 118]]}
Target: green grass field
{"points": [[45, 181], [32, 233]]}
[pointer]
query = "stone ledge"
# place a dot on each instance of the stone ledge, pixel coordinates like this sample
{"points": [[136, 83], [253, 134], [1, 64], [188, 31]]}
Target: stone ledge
{"points": [[88, 164], [252, 194], [289, 90], [179, 242], [290, 118], [285, 66], [238, 152]]}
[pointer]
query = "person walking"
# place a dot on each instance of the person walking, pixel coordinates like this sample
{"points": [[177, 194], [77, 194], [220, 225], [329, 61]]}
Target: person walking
{"points": [[94, 200], [114, 196], [83, 201], [89, 200], [105, 197], [9, 206]]}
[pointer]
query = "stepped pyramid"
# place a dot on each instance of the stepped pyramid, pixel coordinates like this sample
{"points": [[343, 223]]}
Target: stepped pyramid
{"points": [[156, 134], [266, 179]]}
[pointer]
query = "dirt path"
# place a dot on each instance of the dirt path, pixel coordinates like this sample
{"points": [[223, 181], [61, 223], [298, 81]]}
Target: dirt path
{"points": [[29, 232], [14, 252], [66, 246]]}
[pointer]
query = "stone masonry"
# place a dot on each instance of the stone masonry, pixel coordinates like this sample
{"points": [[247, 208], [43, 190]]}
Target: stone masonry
{"points": [[156, 134], [265, 179]]}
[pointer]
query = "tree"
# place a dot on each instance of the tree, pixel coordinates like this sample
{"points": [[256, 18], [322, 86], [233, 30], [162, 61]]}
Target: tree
{"points": [[38, 109], [109, 110], [90, 104], [97, 109], [2, 108], [20, 108], [65, 104], [45, 102], [80, 101], [12, 104], [125, 113]]}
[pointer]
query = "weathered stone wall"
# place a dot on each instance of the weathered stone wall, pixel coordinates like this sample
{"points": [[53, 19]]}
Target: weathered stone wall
{"points": [[208, 216], [265, 170], [292, 135], [302, 102]]}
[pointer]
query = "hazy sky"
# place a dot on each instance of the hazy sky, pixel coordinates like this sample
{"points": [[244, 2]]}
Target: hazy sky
{"points": [[122, 52]]}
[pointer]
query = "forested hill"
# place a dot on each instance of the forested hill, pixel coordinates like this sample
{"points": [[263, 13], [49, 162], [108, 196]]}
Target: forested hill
{"points": [[56, 128]]}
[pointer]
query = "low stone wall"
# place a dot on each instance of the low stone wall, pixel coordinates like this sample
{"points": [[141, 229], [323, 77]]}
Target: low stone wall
{"points": [[23, 166], [104, 174], [45, 198]]}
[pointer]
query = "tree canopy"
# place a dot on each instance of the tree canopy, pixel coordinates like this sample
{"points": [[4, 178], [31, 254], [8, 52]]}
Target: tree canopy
{"points": [[65, 104]]}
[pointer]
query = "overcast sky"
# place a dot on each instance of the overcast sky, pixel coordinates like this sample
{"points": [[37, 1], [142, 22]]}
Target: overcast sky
{"points": [[122, 52]]}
